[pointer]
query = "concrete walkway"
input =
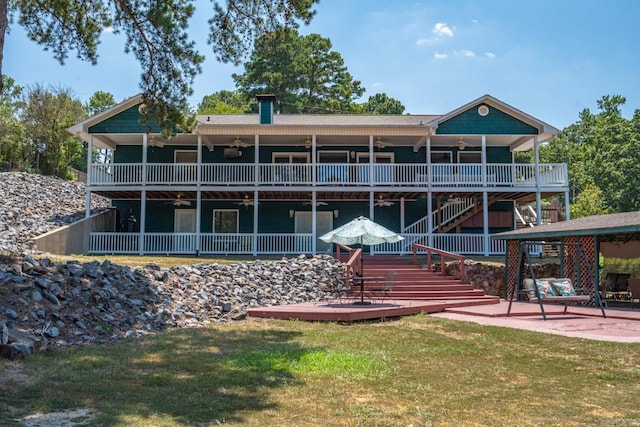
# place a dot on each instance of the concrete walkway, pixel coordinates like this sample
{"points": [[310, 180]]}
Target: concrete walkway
{"points": [[621, 325]]}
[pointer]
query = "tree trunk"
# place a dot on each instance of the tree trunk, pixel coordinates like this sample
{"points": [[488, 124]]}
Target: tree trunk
{"points": [[4, 23]]}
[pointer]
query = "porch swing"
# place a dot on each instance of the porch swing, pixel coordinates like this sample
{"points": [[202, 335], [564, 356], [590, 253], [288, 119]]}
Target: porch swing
{"points": [[565, 290]]}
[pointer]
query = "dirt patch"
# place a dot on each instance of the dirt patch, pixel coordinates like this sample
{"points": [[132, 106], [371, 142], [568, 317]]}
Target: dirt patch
{"points": [[76, 417]]}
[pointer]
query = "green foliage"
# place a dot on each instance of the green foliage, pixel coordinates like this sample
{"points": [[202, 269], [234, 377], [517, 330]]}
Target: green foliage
{"points": [[304, 74], [156, 35], [12, 131], [99, 102], [603, 153], [589, 202], [225, 102], [233, 29], [381, 103], [618, 265], [47, 115]]}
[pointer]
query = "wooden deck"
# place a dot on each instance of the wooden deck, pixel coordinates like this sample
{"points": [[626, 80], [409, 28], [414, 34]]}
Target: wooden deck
{"points": [[337, 311]]}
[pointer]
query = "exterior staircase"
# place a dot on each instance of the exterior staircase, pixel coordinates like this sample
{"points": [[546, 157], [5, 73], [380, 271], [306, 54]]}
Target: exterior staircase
{"points": [[413, 282]]}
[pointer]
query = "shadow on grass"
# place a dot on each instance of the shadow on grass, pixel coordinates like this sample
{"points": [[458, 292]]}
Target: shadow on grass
{"points": [[184, 377]]}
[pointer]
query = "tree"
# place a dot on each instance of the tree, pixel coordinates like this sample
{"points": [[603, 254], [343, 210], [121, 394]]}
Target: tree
{"points": [[225, 102], [99, 102], [11, 128], [603, 154], [156, 35], [47, 115], [381, 103], [304, 74]]}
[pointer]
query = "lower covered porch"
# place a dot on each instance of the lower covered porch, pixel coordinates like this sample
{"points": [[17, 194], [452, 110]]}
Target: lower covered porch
{"points": [[289, 222]]}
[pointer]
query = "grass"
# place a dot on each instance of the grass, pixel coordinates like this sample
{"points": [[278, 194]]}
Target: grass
{"points": [[416, 371]]}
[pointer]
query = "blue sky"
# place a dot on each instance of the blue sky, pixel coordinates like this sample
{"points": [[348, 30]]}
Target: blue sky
{"points": [[550, 59]]}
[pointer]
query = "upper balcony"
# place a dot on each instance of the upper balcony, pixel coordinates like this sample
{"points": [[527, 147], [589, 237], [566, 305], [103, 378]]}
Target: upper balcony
{"points": [[468, 175]]}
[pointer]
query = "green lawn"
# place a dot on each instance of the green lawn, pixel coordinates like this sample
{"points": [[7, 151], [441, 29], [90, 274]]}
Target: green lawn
{"points": [[416, 371]]}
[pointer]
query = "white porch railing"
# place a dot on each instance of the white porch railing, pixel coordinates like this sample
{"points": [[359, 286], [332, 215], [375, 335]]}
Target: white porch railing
{"points": [[436, 175], [271, 243]]}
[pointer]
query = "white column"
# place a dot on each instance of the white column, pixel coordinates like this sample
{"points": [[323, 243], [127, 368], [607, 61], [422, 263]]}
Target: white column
{"points": [[256, 160], [314, 161], [143, 194], [255, 223], [314, 223], [429, 195], [485, 197], [402, 222], [199, 196], [371, 174], [143, 220], [87, 213], [536, 157]]}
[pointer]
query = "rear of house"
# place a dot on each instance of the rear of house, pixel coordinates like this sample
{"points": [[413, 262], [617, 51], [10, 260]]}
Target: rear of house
{"points": [[272, 183]]}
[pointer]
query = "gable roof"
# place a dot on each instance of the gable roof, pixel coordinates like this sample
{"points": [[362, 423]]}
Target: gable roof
{"points": [[545, 131], [596, 225]]}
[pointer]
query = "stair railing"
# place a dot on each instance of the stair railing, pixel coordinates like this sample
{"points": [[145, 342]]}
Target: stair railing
{"points": [[443, 255], [353, 266]]}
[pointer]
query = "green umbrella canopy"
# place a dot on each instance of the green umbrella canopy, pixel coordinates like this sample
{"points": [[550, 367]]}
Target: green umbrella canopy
{"points": [[361, 231]]}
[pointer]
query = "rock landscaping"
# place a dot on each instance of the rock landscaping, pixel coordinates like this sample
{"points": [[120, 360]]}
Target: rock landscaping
{"points": [[32, 205], [44, 304]]}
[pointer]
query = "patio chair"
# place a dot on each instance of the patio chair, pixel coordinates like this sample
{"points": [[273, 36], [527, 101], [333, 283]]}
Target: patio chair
{"points": [[634, 290], [382, 289]]}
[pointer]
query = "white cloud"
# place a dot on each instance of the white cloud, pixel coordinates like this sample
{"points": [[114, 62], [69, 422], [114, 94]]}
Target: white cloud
{"points": [[377, 84], [438, 55], [468, 53], [421, 42], [475, 21], [490, 55], [107, 30], [442, 29]]}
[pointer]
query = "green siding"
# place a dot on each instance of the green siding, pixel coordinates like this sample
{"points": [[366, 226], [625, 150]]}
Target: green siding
{"points": [[127, 121], [266, 112], [494, 123]]}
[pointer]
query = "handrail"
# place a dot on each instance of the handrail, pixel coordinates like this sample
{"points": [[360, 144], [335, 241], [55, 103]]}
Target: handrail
{"points": [[353, 264], [416, 246]]}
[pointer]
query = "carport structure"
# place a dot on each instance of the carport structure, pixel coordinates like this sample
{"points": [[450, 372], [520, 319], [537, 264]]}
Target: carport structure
{"points": [[612, 235]]}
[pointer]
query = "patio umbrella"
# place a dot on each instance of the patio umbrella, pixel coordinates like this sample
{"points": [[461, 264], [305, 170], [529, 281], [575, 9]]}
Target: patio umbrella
{"points": [[361, 231]]}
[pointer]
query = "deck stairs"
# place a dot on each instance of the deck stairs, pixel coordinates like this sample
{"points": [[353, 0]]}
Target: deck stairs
{"points": [[414, 282]]}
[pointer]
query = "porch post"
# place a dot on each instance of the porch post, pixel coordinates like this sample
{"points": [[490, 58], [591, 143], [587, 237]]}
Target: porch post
{"points": [[314, 159], [371, 215], [371, 174], [255, 223], [87, 212], [485, 197], [402, 222], [314, 223], [143, 220], [143, 194], [567, 211], [536, 157], [429, 195], [199, 196]]}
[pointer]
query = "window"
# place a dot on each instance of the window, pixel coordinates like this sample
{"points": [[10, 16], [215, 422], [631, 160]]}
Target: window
{"points": [[290, 158], [441, 157], [470, 157], [185, 156], [225, 220]]}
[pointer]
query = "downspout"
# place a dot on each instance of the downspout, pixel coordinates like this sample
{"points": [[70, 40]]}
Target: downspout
{"points": [[536, 156], [254, 238]]}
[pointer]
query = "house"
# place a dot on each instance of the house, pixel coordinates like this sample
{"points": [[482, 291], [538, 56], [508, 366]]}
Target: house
{"points": [[272, 183]]}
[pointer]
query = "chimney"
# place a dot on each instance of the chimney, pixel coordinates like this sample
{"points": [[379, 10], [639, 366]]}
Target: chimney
{"points": [[265, 111]]}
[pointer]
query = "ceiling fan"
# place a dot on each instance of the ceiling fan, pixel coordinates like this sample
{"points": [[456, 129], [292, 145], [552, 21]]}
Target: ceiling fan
{"points": [[246, 201], [237, 143], [155, 143], [179, 201], [309, 203], [453, 201], [382, 144], [308, 143], [462, 144], [381, 202]]}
